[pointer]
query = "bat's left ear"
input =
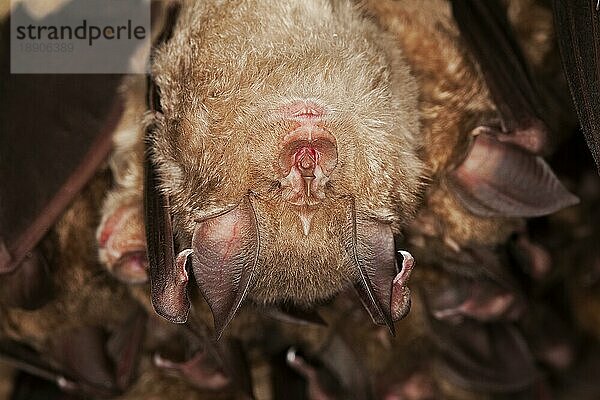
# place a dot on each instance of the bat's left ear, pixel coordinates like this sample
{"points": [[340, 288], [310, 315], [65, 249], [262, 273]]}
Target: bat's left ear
{"points": [[225, 255]]}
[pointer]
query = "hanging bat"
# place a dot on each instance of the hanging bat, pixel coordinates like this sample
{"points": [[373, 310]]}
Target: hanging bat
{"points": [[282, 164], [260, 203]]}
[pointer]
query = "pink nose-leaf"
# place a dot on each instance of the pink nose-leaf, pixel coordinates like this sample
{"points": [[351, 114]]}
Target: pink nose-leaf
{"points": [[308, 154], [307, 158]]}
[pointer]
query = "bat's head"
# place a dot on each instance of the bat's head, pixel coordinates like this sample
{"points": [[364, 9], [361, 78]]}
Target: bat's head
{"points": [[290, 128]]}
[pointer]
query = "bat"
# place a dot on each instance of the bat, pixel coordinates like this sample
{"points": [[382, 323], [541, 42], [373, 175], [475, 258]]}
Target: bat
{"points": [[317, 198]]}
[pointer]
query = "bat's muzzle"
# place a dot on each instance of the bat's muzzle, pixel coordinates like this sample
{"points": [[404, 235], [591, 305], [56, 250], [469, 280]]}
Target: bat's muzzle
{"points": [[307, 158]]}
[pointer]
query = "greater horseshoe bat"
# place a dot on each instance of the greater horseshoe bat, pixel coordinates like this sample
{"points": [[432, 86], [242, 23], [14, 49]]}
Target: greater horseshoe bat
{"points": [[311, 204], [285, 151]]}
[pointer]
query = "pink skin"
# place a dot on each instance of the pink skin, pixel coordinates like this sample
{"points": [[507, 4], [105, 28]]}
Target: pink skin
{"points": [[122, 244], [400, 303], [417, 387], [307, 157]]}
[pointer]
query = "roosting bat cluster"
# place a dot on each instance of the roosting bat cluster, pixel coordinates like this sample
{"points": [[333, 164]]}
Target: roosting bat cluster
{"points": [[322, 199]]}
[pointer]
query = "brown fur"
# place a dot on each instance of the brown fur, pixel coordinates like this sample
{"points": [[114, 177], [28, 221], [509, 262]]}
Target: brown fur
{"points": [[223, 76], [453, 100], [7, 375]]}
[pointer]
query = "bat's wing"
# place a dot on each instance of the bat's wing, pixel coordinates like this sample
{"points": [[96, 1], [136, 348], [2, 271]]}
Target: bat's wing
{"points": [[169, 278], [55, 132], [370, 246], [488, 35], [577, 24]]}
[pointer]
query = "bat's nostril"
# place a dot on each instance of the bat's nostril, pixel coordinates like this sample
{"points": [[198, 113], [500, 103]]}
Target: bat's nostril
{"points": [[309, 147], [306, 165]]}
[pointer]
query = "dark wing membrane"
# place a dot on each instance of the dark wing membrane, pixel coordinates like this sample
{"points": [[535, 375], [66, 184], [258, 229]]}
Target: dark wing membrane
{"points": [[168, 278], [577, 24], [55, 130], [487, 33], [370, 245]]}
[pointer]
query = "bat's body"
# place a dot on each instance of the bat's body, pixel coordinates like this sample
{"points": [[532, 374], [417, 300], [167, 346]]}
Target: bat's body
{"points": [[287, 148], [299, 107]]}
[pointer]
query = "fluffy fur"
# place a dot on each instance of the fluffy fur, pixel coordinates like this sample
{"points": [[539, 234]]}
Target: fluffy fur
{"points": [[454, 100], [227, 70]]}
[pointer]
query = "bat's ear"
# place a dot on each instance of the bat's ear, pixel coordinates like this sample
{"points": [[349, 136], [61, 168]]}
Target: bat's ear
{"points": [[502, 179], [226, 249], [381, 287]]}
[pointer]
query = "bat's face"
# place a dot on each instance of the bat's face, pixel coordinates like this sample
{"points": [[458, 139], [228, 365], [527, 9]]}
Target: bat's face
{"points": [[286, 125]]}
